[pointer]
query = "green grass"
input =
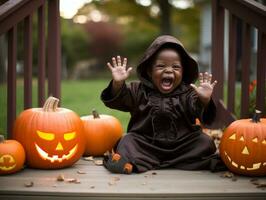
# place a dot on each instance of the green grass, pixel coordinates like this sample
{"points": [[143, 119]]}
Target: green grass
{"points": [[80, 96]]}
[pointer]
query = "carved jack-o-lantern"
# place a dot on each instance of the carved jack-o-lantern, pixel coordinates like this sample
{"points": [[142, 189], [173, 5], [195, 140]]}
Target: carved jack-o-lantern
{"points": [[243, 146], [52, 137], [12, 156]]}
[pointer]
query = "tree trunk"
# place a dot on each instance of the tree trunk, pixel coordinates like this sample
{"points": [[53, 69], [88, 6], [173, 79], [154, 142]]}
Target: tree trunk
{"points": [[165, 9], [3, 57]]}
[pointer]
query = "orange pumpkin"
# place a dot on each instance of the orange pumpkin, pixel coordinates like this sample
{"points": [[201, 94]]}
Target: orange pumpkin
{"points": [[243, 146], [53, 137], [12, 156], [102, 132]]}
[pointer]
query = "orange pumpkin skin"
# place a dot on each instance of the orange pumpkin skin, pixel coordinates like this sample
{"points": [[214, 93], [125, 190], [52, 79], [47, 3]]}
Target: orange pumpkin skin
{"points": [[101, 132], [12, 156], [52, 137], [243, 147]]}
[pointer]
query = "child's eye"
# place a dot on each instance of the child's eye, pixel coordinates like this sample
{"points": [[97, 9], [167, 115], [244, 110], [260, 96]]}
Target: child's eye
{"points": [[159, 65], [176, 66]]}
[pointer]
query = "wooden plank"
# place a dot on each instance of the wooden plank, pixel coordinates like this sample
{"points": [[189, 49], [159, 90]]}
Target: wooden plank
{"points": [[256, 11], [232, 63], [11, 79], [217, 62], [98, 183], [54, 49], [28, 62], [14, 11], [261, 73], [245, 70], [41, 55]]}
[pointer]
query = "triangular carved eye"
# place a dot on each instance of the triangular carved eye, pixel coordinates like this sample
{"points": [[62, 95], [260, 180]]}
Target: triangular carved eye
{"points": [[242, 138], [255, 140], [232, 137], [264, 141]]}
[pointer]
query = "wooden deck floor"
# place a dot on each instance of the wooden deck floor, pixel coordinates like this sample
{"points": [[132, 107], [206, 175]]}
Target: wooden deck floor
{"points": [[85, 180]]}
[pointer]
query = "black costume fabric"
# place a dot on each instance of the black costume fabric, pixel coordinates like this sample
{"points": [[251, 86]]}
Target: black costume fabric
{"points": [[161, 131]]}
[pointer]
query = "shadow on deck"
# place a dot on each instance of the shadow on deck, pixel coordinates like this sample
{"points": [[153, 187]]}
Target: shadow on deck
{"points": [[85, 180]]}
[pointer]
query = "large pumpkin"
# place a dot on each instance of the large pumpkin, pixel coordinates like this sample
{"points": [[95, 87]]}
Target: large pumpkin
{"points": [[243, 146], [12, 156], [53, 137], [102, 132]]}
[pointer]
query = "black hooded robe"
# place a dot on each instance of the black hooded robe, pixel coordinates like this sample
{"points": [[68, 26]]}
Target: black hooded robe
{"points": [[161, 131]]}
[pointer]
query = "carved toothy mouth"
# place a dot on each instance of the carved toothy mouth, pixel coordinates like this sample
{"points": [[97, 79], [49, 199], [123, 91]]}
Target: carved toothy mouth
{"points": [[54, 158], [11, 160], [255, 166]]}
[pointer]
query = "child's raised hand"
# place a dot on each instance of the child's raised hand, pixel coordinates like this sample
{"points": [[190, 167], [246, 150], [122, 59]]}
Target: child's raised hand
{"points": [[119, 69], [205, 88]]}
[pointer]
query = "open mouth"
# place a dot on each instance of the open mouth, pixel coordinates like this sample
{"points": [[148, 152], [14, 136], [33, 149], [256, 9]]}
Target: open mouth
{"points": [[167, 83], [255, 166], [54, 158]]}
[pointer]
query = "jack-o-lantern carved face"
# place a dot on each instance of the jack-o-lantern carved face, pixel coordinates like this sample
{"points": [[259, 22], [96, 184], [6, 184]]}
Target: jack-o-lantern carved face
{"points": [[243, 147], [52, 137], [56, 147], [12, 156], [7, 162]]}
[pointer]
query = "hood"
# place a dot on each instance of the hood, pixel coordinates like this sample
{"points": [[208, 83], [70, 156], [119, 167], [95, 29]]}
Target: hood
{"points": [[190, 66]]}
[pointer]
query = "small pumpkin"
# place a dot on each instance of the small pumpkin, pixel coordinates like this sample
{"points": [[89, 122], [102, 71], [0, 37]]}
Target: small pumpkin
{"points": [[53, 137], [101, 132], [243, 146], [12, 156]]}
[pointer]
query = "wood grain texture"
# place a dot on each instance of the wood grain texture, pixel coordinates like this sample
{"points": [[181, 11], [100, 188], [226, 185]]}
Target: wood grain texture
{"points": [[98, 183]]}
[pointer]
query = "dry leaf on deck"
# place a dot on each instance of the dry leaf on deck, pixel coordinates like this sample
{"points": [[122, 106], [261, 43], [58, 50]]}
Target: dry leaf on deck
{"points": [[98, 162], [81, 172], [90, 158], [29, 184], [60, 177]]}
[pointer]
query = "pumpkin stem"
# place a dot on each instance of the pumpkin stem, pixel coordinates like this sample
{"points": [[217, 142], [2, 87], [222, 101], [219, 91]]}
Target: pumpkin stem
{"points": [[2, 139], [51, 104], [256, 116], [95, 114]]}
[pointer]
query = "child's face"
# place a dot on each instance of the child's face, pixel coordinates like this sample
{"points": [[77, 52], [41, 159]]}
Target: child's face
{"points": [[167, 70]]}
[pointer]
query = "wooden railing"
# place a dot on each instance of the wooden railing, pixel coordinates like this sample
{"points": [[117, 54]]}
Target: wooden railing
{"points": [[250, 14], [12, 13]]}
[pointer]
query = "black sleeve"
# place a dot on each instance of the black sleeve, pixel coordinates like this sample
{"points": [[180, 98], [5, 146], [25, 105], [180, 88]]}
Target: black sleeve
{"points": [[124, 100]]}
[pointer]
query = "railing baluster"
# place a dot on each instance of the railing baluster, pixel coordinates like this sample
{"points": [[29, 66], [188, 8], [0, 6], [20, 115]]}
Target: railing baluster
{"points": [[246, 54], [261, 73], [54, 49], [218, 48], [232, 63], [41, 55], [28, 62], [11, 73]]}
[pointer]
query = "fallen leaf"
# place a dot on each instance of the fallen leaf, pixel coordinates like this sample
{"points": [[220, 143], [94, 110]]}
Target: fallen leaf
{"points": [[98, 162], [60, 177], [90, 158], [227, 175], [29, 184], [92, 187], [154, 173], [81, 172], [72, 180], [115, 178]]}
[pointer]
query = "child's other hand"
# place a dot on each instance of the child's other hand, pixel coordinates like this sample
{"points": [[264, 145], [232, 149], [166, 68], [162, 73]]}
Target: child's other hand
{"points": [[205, 88], [119, 70]]}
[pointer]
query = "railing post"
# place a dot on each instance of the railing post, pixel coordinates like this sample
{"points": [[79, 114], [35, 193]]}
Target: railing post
{"points": [[54, 49], [261, 73], [11, 84], [217, 61]]}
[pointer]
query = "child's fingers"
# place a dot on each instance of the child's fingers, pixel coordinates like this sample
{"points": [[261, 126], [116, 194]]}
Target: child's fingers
{"points": [[109, 66], [129, 70], [125, 62], [114, 62], [210, 78], [205, 77], [193, 86], [214, 83], [200, 78], [119, 61]]}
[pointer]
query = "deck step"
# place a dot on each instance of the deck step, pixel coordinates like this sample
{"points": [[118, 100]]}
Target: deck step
{"points": [[95, 182]]}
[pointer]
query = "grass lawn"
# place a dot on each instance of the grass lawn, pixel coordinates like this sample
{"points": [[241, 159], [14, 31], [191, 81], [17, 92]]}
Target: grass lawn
{"points": [[80, 96]]}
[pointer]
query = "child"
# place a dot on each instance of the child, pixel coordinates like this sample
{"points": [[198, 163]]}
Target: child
{"points": [[163, 105]]}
